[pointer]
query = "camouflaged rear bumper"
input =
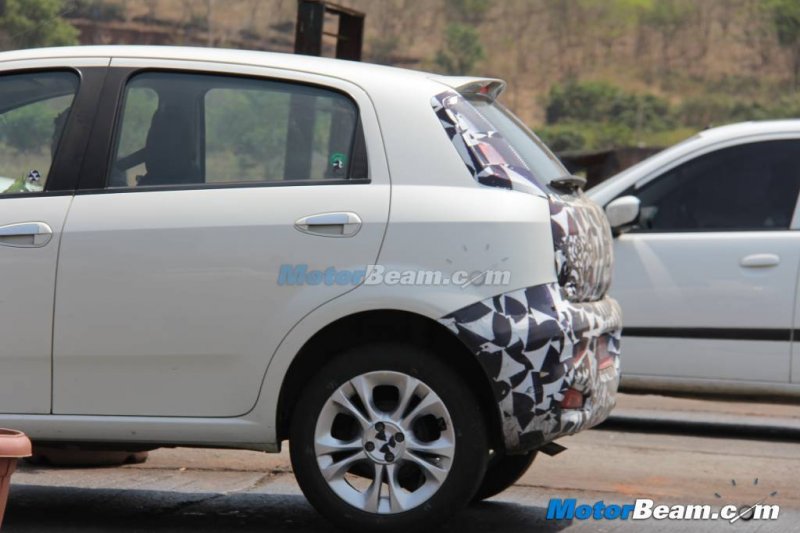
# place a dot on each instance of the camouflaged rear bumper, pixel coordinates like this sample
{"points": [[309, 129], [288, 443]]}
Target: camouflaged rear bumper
{"points": [[534, 345]]}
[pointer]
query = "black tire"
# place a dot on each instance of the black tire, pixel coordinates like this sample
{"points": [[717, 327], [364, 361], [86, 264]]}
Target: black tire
{"points": [[502, 472], [469, 459]]}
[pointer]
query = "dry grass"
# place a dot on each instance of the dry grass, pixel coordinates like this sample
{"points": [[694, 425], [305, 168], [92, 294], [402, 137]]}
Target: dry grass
{"points": [[531, 43]]}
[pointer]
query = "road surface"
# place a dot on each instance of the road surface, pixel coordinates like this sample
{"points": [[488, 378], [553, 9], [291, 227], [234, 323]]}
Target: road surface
{"points": [[198, 491]]}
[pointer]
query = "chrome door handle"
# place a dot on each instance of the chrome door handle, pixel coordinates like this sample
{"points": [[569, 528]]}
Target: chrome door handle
{"points": [[25, 235], [344, 224], [760, 260]]}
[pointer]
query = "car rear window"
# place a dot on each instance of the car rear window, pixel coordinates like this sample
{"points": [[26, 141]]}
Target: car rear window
{"points": [[544, 165], [497, 148]]}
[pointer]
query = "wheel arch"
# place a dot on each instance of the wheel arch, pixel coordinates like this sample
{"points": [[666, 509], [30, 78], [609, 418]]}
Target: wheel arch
{"points": [[387, 325]]}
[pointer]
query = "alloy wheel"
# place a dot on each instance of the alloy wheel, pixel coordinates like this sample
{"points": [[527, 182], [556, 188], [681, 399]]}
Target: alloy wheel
{"points": [[384, 442]]}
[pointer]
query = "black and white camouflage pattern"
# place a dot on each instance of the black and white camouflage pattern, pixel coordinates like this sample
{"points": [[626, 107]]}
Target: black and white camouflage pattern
{"points": [[584, 247], [489, 157], [581, 235], [537, 343], [534, 345]]}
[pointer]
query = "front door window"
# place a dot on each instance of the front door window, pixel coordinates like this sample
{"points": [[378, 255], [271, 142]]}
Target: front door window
{"points": [[747, 187], [33, 112]]}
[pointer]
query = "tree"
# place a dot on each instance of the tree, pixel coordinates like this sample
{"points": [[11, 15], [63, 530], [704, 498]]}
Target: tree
{"points": [[28, 128], [35, 23], [461, 51], [605, 104], [786, 18]]}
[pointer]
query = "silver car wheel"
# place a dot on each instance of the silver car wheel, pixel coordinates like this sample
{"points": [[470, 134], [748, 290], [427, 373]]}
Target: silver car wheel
{"points": [[384, 442]]}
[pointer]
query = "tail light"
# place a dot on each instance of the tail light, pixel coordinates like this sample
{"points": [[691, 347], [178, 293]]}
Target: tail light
{"points": [[573, 399]]}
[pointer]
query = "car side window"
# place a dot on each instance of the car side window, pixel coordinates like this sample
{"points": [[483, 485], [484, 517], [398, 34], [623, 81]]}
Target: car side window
{"points": [[196, 129], [746, 187], [33, 111]]}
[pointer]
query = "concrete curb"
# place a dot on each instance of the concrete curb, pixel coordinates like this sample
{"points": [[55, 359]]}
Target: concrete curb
{"points": [[703, 424]]}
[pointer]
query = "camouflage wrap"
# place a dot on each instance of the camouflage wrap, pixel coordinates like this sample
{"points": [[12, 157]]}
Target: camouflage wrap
{"points": [[489, 158], [583, 245], [535, 345]]}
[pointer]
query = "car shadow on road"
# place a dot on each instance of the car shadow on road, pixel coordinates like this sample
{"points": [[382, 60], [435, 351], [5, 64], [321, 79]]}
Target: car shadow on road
{"points": [[43, 509]]}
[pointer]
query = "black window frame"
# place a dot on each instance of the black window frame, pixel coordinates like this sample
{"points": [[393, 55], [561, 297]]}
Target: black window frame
{"points": [[110, 108], [635, 190]]}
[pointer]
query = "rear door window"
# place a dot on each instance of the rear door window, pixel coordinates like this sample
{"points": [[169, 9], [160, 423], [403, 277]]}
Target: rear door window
{"points": [[195, 129]]}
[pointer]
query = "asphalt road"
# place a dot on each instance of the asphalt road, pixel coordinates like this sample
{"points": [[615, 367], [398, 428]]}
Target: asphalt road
{"points": [[198, 491]]}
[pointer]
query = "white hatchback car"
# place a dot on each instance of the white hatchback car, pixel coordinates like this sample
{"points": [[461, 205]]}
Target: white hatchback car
{"points": [[235, 248], [707, 258]]}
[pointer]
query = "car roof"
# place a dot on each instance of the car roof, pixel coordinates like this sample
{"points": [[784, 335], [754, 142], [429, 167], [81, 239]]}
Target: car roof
{"points": [[403, 118], [747, 129], [363, 74]]}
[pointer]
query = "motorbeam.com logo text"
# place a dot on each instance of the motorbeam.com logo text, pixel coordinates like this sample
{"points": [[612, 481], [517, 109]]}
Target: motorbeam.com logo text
{"points": [[302, 274], [646, 509]]}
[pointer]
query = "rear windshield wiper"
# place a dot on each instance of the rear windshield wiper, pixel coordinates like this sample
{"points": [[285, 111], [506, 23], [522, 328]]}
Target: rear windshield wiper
{"points": [[569, 182]]}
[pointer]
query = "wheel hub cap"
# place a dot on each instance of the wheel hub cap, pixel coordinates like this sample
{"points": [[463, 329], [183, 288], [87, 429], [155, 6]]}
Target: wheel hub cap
{"points": [[384, 443]]}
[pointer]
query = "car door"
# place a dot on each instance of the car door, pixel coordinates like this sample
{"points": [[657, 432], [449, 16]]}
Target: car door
{"points": [[44, 117], [230, 192], [707, 279]]}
